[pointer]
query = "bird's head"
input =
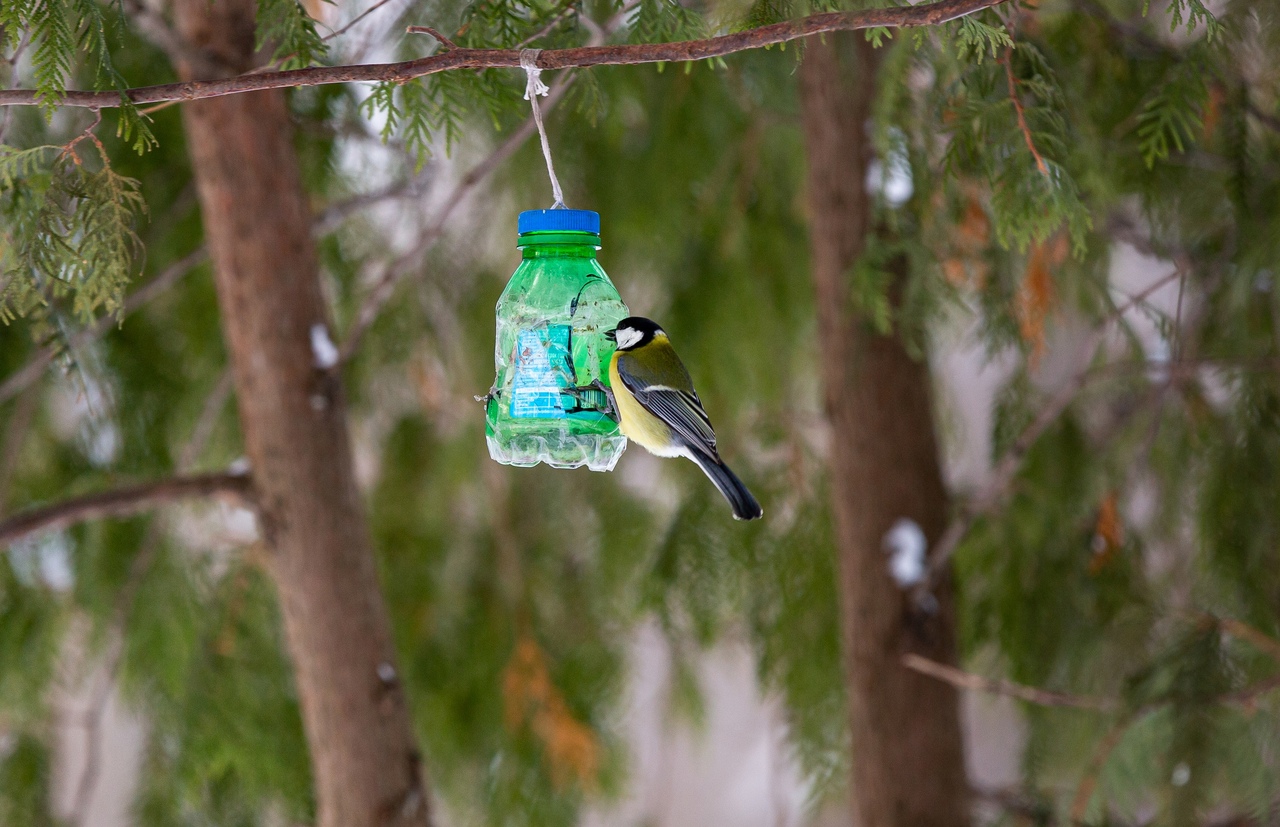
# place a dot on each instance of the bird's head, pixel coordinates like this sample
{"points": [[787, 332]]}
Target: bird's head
{"points": [[634, 331]]}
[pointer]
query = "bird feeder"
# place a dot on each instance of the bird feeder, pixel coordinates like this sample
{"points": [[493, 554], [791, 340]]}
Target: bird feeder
{"points": [[548, 402]]}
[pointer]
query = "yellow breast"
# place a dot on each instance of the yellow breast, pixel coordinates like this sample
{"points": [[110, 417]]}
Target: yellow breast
{"points": [[637, 423]]}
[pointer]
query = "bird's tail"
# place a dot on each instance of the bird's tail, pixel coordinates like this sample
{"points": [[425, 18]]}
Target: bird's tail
{"points": [[744, 504]]}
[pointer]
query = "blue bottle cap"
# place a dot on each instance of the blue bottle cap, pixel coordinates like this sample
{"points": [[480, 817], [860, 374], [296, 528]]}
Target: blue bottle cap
{"points": [[563, 221]]}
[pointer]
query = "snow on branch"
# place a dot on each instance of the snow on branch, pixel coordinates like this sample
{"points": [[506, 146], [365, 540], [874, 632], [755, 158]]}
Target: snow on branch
{"points": [[123, 502], [926, 14]]}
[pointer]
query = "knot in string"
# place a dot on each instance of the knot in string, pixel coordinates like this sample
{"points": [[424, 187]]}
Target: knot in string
{"points": [[533, 89], [529, 62]]}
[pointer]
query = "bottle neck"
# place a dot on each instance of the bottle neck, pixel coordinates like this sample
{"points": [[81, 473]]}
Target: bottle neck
{"points": [[558, 245], [558, 251]]}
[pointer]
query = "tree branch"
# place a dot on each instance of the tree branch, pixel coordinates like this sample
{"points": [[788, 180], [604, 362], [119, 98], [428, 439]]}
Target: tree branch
{"points": [[1256, 638], [1022, 115], [928, 14], [1045, 697], [445, 43], [123, 502], [354, 21], [995, 686], [1101, 753]]}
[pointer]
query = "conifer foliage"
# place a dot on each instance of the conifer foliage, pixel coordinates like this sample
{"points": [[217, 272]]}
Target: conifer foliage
{"points": [[1117, 571]]}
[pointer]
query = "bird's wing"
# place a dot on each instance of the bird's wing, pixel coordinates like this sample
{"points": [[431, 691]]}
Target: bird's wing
{"points": [[679, 408]]}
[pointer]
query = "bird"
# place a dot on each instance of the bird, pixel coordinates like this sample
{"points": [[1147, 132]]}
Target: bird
{"points": [[657, 407]]}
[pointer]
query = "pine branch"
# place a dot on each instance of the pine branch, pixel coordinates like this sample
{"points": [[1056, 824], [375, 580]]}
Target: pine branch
{"points": [[326, 220], [29, 373], [1006, 470], [124, 502], [930, 14], [1150, 46], [1022, 115]]}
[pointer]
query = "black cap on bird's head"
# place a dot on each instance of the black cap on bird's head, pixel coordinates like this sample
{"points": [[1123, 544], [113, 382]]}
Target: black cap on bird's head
{"points": [[634, 331]]}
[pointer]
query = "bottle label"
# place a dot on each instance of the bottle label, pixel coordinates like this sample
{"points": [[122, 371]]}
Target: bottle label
{"points": [[543, 365]]}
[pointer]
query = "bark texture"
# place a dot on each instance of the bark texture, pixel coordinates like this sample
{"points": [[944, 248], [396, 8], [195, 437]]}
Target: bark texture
{"points": [[365, 763], [908, 758]]}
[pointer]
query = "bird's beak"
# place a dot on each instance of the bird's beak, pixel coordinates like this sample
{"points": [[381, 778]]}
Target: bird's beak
{"points": [[611, 335]]}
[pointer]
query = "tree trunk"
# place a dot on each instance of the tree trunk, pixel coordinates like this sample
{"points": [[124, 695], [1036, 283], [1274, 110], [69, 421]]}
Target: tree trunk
{"points": [[365, 763], [908, 759]]}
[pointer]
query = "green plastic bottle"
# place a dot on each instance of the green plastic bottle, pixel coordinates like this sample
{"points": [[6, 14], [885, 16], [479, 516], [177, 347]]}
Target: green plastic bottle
{"points": [[551, 348]]}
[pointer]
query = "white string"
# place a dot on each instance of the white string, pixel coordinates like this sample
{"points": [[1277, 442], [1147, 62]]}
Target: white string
{"points": [[534, 88]]}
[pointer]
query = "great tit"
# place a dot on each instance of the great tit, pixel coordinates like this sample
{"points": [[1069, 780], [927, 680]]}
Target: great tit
{"points": [[658, 407]]}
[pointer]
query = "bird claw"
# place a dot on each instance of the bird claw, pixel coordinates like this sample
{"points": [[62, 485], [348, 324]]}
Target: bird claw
{"points": [[611, 405], [611, 410]]}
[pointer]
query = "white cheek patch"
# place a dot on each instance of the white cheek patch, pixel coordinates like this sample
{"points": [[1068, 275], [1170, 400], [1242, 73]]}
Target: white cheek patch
{"points": [[627, 337]]}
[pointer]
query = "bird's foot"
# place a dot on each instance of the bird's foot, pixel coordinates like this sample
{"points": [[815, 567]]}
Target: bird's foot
{"points": [[611, 406], [611, 410]]}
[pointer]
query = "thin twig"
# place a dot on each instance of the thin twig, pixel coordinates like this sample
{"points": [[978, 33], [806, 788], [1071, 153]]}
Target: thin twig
{"points": [[126, 501], [555, 20], [1265, 118], [445, 42], [203, 429], [1101, 753], [927, 14], [1245, 697], [997, 686], [331, 217], [69, 148], [357, 19], [1045, 697], [1254, 637], [1022, 115]]}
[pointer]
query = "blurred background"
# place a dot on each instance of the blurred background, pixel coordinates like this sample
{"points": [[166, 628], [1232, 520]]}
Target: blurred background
{"points": [[1079, 237]]}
